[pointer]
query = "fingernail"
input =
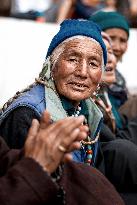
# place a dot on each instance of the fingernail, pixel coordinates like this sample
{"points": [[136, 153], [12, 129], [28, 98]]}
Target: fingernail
{"points": [[81, 117]]}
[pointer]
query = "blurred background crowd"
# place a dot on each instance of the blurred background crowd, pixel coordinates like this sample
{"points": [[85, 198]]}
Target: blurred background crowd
{"points": [[58, 10]]}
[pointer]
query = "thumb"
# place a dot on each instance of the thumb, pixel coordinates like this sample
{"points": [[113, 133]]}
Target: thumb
{"points": [[33, 129], [31, 137]]}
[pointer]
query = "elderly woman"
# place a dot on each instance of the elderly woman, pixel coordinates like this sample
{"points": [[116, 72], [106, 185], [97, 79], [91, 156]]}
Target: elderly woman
{"points": [[71, 73]]}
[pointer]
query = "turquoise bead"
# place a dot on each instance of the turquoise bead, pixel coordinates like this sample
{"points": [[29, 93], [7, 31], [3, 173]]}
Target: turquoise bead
{"points": [[89, 147], [89, 156]]}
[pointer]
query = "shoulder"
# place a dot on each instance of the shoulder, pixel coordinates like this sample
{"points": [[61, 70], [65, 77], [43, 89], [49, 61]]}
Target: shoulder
{"points": [[34, 99]]}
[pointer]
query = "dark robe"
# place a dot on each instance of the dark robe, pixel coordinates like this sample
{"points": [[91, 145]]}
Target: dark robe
{"points": [[23, 182]]}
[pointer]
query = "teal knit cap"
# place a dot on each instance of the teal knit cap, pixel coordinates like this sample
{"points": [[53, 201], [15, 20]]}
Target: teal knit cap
{"points": [[107, 20]]}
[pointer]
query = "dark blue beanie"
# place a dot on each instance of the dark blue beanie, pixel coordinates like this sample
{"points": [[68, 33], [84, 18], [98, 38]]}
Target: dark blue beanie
{"points": [[73, 27]]}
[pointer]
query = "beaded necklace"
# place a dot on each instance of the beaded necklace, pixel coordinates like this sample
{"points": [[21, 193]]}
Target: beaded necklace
{"points": [[87, 144]]}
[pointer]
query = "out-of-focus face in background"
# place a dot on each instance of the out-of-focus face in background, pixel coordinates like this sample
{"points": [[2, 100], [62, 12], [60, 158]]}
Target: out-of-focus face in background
{"points": [[119, 40], [109, 76]]}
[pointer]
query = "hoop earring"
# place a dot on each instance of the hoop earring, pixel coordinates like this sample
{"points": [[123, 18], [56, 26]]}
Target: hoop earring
{"points": [[95, 93], [51, 76]]}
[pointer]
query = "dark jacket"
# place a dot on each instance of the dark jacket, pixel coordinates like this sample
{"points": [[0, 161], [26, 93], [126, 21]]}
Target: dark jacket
{"points": [[118, 90], [23, 182]]}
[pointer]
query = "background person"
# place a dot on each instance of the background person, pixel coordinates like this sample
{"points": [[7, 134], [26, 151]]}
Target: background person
{"points": [[119, 146], [116, 26]]}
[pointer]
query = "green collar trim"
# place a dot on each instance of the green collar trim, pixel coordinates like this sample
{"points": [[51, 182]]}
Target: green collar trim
{"points": [[57, 111], [68, 106]]}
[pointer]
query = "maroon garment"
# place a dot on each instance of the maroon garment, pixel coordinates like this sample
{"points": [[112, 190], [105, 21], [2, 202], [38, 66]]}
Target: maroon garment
{"points": [[23, 182], [86, 185]]}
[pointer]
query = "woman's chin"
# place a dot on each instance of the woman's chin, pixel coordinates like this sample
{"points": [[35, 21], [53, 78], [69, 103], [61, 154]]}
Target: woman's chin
{"points": [[77, 96]]}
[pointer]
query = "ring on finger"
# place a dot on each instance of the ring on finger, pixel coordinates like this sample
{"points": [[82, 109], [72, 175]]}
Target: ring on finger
{"points": [[61, 148]]}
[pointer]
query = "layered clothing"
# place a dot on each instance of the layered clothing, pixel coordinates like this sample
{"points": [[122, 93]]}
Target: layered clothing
{"points": [[124, 128], [23, 182], [16, 119], [119, 148], [117, 91]]}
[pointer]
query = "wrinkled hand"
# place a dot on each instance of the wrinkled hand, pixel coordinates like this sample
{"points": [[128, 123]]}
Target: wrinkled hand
{"points": [[46, 140]]}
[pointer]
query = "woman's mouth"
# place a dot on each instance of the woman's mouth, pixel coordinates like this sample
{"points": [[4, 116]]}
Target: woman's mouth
{"points": [[78, 86], [109, 69]]}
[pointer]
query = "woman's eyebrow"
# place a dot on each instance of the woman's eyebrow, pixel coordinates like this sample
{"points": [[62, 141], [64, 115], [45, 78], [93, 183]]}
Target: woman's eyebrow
{"points": [[72, 52]]}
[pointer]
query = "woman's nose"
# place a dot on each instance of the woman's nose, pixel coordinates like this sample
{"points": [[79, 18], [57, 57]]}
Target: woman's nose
{"points": [[116, 46], [109, 58], [83, 69]]}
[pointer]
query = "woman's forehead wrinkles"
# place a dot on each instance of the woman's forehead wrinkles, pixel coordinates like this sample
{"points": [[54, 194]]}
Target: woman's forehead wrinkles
{"points": [[78, 51], [79, 47]]}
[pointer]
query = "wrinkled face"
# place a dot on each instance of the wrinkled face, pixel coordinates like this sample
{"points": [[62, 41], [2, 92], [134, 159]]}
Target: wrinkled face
{"points": [[119, 39], [78, 69], [109, 74]]}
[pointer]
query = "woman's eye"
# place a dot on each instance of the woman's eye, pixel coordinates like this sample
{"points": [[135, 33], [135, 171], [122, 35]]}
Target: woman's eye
{"points": [[110, 52], [94, 64], [73, 59], [123, 40]]}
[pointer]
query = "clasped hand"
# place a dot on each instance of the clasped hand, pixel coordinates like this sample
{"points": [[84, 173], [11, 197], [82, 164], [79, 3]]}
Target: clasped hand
{"points": [[51, 143]]}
